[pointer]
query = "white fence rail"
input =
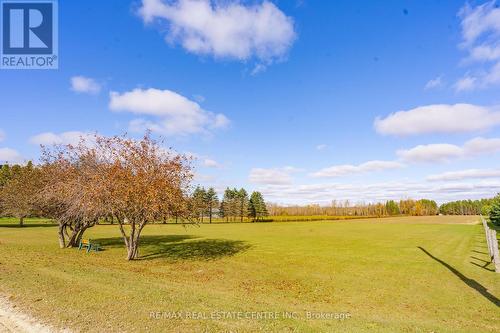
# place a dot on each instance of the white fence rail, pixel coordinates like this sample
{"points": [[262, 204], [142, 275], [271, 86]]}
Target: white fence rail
{"points": [[491, 241]]}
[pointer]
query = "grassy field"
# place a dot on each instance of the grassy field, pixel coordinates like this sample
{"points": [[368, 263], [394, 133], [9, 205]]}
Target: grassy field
{"points": [[280, 218], [414, 274]]}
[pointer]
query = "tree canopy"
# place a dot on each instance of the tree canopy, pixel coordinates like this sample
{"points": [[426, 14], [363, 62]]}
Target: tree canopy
{"points": [[135, 181], [257, 207], [495, 210], [19, 187]]}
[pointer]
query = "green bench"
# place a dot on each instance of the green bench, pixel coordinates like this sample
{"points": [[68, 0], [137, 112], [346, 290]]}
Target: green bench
{"points": [[89, 245]]}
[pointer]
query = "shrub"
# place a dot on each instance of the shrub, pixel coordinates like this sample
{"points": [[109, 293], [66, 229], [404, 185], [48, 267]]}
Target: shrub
{"points": [[495, 211], [485, 210]]}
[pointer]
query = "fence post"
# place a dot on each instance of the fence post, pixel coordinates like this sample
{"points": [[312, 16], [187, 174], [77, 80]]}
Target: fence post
{"points": [[496, 256], [488, 239], [492, 242]]}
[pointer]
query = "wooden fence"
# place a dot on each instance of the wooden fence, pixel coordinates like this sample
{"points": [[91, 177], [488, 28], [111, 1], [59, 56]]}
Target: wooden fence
{"points": [[492, 242]]}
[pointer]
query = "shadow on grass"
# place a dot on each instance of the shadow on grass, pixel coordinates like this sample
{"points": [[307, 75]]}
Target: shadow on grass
{"points": [[479, 259], [180, 247], [484, 266], [470, 282], [482, 263]]}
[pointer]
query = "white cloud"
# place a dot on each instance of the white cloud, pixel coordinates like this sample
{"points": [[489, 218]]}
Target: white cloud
{"points": [[478, 146], [434, 83], [477, 21], [259, 68], [2, 135], [11, 156], [203, 160], [198, 177], [444, 152], [291, 169], [275, 176], [209, 163], [481, 39], [465, 174], [480, 81], [82, 84], [464, 190], [324, 193], [439, 152], [466, 83], [439, 118], [321, 147], [493, 76], [348, 169], [50, 138], [176, 115], [227, 29], [485, 53]]}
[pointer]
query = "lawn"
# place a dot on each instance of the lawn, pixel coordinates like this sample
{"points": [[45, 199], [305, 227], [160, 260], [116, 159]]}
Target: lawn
{"points": [[411, 274]]}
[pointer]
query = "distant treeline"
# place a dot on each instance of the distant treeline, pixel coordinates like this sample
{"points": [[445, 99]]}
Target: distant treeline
{"points": [[466, 207], [411, 207], [422, 207], [489, 208]]}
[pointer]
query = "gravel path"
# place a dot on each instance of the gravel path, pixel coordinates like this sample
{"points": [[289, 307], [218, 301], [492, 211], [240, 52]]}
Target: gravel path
{"points": [[14, 321]]}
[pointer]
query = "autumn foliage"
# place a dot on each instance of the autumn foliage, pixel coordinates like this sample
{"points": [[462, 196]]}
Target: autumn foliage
{"points": [[134, 181], [19, 188]]}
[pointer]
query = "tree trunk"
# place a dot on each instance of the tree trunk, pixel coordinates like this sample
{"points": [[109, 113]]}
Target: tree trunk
{"points": [[210, 214], [79, 237], [131, 250], [122, 231], [133, 243], [76, 236], [60, 233], [78, 231], [21, 222]]}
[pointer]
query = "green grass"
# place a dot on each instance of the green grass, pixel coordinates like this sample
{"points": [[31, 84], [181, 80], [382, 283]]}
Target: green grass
{"points": [[373, 269], [14, 222], [280, 218]]}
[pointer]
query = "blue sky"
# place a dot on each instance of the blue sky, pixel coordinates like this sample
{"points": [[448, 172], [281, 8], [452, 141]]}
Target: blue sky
{"points": [[280, 96]]}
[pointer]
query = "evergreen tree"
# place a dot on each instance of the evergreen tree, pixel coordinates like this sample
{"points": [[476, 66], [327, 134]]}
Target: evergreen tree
{"points": [[242, 197], [466, 207], [257, 206], [392, 207], [229, 206], [234, 203], [221, 212], [495, 211], [485, 210], [199, 203], [212, 202]]}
